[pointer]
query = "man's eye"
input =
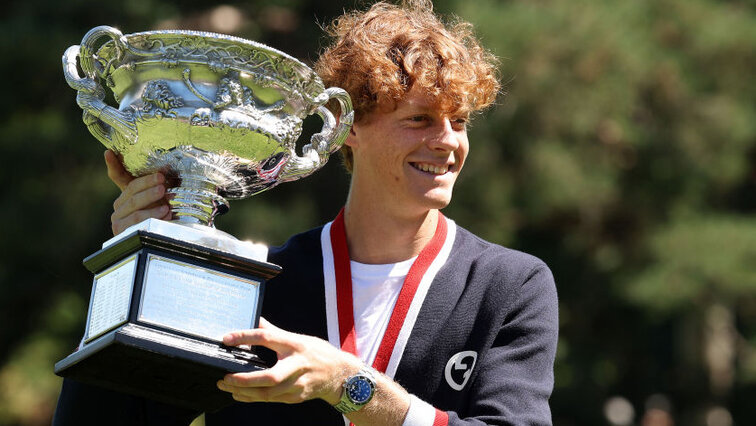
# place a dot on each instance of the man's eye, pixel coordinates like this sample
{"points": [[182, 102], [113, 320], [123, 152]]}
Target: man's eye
{"points": [[418, 118], [459, 122]]}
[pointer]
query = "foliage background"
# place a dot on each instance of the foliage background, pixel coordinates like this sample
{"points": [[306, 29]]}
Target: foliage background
{"points": [[623, 154]]}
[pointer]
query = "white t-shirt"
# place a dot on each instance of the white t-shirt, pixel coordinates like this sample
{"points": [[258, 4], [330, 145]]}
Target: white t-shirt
{"points": [[375, 289]]}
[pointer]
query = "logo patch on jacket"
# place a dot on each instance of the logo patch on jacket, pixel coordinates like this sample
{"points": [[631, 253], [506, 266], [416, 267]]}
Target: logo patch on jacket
{"points": [[459, 369]]}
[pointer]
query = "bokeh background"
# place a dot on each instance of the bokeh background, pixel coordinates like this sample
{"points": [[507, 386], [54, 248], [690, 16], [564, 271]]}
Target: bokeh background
{"points": [[623, 153]]}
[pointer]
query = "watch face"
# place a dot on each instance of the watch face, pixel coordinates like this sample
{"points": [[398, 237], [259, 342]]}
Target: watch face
{"points": [[359, 390]]}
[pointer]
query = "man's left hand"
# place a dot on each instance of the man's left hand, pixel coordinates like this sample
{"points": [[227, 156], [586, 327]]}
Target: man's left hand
{"points": [[307, 368]]}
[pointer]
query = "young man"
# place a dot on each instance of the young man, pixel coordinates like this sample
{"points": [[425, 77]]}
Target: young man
{"points": [[437, 326]]}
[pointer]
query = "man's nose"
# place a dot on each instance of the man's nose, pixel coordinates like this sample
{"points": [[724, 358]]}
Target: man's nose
{"points": [[446, 138]]}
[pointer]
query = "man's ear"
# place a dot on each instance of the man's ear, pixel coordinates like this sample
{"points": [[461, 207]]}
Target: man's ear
{"points": [[351, 140]]}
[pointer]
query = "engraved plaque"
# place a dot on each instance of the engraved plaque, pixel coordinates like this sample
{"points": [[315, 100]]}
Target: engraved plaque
{"points": [[158, 309], [111, 298], [196, 300]]}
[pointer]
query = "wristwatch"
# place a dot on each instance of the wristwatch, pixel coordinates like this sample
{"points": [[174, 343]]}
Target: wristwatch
{"points": [[358, 391]]}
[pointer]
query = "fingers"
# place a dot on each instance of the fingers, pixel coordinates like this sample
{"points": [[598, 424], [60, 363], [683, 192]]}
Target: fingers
{"points": [[283, 371], [116, 172], [140, 193], [142, 198], [286, 392], [268, 335], [307, 367], [118, 225], [284, 382]]}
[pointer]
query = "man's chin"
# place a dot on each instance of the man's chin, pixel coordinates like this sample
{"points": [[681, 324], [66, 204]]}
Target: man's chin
{"points": [[438, 201]]}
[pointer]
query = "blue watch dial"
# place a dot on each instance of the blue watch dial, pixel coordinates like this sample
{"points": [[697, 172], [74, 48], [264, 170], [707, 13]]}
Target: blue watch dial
{"points": [[360, 390]]}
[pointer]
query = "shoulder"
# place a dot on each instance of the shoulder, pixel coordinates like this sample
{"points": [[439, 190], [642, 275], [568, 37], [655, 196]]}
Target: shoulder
{"points": [[508, 282], [300, 247], [507, 265]]}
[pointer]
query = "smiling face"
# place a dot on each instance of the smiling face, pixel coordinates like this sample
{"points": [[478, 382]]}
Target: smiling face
{"points": [[409, 158]]}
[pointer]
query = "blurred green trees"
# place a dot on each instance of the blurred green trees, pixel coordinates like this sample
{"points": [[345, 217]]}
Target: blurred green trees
{"points": [[623, 154]]}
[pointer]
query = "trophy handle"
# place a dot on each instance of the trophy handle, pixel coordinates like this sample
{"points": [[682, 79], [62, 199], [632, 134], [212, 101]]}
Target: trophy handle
{"points": [[106, 123], [322, 144]]}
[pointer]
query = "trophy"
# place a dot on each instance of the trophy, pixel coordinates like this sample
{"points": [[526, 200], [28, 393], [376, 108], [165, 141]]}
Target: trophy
{"points": [[220, 116]]}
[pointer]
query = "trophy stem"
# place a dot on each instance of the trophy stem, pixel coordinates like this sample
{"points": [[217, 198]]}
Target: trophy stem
{"points": [[196, 201]]}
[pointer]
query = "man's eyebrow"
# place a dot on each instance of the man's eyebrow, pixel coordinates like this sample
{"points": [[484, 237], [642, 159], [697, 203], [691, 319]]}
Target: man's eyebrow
{"points": [[418, 106], [423, 107]]}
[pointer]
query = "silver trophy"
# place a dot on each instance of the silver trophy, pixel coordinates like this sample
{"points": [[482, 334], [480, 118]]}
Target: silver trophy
{"points": [[220, 117]]}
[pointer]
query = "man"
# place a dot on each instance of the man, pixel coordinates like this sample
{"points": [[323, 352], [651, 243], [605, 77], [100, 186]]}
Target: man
{"points": [[437, 326]]}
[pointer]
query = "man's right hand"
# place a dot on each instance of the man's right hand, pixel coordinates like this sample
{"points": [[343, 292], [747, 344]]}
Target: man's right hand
{"points": [[141, 198]]}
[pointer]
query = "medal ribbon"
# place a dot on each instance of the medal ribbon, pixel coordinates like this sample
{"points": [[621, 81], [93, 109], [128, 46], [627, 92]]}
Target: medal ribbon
{"points": [[344, 301]]}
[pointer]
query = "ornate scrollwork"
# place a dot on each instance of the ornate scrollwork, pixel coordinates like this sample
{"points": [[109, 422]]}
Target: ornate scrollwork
{"points": [[225, 52], [218, 67]]}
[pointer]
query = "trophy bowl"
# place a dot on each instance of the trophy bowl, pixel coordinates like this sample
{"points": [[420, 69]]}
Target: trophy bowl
{"points": [[218, 113], [220, 117]]}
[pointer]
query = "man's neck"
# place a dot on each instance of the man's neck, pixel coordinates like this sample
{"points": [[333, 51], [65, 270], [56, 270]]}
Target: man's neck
{"points": [[375, 236]]}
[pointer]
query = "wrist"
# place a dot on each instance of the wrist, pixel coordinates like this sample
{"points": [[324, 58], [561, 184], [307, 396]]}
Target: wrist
{"points": [[335, 388]]}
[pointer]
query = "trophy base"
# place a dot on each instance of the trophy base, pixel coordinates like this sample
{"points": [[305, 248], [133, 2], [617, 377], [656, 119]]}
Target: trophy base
{"points": [[157, 315], [162, 366]]}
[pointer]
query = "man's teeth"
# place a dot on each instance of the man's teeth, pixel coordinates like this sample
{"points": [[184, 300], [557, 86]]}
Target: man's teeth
{"points": [[430, 168]]}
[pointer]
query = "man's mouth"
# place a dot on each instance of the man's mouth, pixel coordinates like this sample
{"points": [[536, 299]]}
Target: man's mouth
{"points": [[430, 168]]}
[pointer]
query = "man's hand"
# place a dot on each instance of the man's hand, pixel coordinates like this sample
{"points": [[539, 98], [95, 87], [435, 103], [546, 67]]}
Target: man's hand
{"points": [[310, 368], [140, 198], [307, 368]]}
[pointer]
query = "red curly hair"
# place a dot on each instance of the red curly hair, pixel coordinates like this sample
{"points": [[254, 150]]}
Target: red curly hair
{"points": [[378, 55]]}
